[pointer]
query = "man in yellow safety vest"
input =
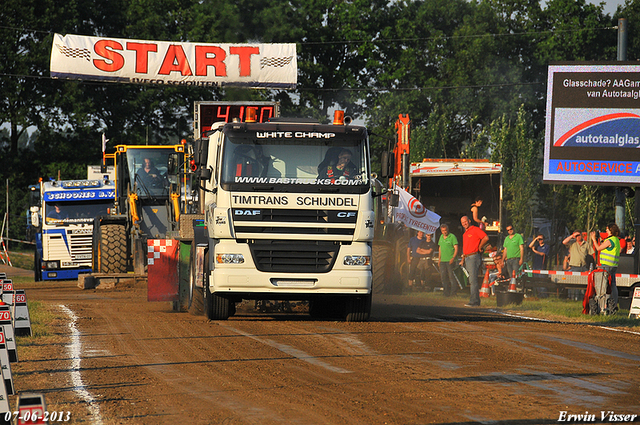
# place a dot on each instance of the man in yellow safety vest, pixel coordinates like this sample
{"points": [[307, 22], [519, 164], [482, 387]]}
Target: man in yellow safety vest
{"points": [[609, 250]]}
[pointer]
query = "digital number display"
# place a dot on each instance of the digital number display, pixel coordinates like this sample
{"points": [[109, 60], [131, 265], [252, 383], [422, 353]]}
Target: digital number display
{"points": [[212, 113]]}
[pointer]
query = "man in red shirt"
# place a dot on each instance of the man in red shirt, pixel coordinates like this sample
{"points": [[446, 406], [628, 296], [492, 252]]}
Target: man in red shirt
{"points": [[473, 240]]}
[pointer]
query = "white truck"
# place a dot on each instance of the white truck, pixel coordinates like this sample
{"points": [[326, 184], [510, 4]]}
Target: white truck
{"points": [[62, 214], [282, 220]]}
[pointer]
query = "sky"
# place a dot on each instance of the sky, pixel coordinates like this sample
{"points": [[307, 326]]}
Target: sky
{"points": [[610, 5]]}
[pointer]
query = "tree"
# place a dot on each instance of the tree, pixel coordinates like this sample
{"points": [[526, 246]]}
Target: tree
{"points": [[518, 150]]}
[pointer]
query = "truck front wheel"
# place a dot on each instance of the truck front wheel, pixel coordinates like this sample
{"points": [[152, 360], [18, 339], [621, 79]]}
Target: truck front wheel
{"points": [[37, 267], [112, 249], [358, 309], [196, 293], [217, 307]]}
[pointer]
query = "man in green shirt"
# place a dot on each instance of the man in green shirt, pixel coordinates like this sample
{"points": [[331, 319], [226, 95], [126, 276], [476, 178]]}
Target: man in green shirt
{"points": [[513, 251], [448, 244]]}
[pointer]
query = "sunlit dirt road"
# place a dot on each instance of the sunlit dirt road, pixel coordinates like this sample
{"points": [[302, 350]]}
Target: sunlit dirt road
{"points": [[419, 360]]}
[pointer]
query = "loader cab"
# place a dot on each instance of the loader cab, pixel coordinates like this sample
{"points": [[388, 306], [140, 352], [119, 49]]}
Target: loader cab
{"points": [[147, 177]]}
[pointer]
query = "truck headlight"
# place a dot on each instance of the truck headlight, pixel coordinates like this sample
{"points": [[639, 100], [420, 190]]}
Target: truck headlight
{"points": [[51, 264], [230, 258], [356, 260]]}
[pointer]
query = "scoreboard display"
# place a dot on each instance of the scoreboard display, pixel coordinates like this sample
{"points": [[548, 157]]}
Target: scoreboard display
{"points": [[208, 112]]}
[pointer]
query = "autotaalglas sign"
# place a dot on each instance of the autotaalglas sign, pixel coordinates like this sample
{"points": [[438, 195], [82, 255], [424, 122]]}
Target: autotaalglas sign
{"points": [[593, 123]]}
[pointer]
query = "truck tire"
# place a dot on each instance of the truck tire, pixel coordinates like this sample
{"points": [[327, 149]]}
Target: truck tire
{"points": [[216, 306], [401, 266], [380, 266], [37, 267], [196, 293], [112, 249], [358, 309]]}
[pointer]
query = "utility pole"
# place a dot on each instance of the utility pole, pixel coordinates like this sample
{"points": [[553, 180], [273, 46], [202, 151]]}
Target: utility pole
{"points": [[620, 196]]}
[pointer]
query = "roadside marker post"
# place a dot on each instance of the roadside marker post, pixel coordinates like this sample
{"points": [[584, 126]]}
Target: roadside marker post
{"points": [[20, 316], [31, 408], [7, 325], [7, 291], [634, 310], [5, 408], [6, 366]]}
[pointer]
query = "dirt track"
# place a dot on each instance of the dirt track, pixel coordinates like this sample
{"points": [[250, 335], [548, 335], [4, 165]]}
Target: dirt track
{"points": [[413, 363]]}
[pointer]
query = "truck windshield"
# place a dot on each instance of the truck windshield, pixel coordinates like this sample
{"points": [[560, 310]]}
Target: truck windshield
{"points": [[255, 160], [66, 213], [148, 171]]}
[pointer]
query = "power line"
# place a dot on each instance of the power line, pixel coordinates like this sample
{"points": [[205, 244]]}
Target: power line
{"points": [[351, 89], [451, 37], [397, 40], [383, 89]]}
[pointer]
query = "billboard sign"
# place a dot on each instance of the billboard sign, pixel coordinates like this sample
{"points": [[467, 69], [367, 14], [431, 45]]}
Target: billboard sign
{"points": [[593, 124], [175, 63]]}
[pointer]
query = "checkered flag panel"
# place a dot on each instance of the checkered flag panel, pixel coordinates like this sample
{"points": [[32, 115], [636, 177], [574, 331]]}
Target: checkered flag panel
{"points": [[155, 247], [275, 62], [71, 52]]}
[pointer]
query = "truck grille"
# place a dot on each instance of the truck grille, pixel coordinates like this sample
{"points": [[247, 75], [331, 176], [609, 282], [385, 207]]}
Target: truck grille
{"points": [[81, 249], [294, 222], [294, 256], [290, 230], [74, 253]]}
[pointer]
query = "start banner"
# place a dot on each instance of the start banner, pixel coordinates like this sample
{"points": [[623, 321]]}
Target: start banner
{"points": [[175, 63]]}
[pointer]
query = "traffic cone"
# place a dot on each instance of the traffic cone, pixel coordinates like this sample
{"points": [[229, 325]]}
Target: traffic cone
{"points": [[512, 283], [485, 292]]}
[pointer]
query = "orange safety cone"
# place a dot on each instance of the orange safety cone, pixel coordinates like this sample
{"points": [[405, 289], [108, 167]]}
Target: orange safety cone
{"points": [[512, 283], [485, 291]]}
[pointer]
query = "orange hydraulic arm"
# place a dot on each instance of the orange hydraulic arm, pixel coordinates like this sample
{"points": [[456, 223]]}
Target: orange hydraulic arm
{"points": [[402, 146]]}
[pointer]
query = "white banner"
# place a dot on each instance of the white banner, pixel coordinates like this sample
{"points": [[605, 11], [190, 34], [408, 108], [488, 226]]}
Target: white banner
{"points": [[163, 62], [414, 215]]}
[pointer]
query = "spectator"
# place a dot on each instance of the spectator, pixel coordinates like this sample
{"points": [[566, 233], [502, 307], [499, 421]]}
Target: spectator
{"points": [[475, 213], [609, 250], [540, 252], [448, 244], [631, 243], [416, 250], [513, 251], [431, 247], [473, 241], [578, 251], [565, 262]]}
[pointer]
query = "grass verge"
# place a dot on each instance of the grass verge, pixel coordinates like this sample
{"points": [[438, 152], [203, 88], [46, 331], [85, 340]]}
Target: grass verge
{"points": [[552, 308]]}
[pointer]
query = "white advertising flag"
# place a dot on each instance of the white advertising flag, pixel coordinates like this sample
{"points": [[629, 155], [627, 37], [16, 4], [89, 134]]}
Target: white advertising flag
{"points": [[174, 63], [414, 215]]}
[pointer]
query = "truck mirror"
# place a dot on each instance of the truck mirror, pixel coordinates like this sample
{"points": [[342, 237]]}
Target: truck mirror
{"points": [[205, 174], [200, 152]]}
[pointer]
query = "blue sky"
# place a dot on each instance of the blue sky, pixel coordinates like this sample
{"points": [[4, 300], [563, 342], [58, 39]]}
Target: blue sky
{"points": [[610, 5]]}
